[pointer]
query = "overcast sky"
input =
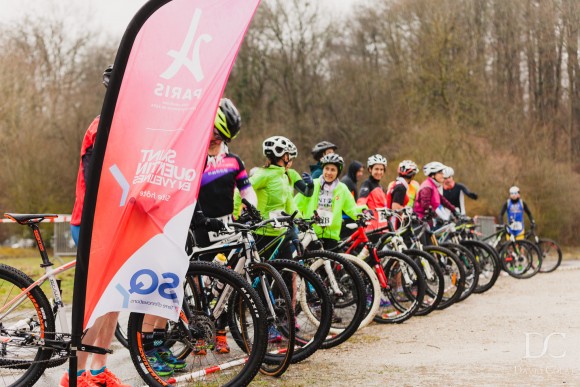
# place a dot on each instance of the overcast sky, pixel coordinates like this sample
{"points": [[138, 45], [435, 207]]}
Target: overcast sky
{"points": [[111, 16]]}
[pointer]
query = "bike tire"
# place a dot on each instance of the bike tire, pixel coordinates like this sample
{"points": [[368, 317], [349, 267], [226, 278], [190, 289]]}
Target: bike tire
{"points": [[434, 280], [470, 266], [349, 303], [237, 368], [23, 358], [551, 255], [521, 259], [312, 307], [372, 288], [400, 300], [488, 263], [275, 297], [453, 272], [121, 335]]}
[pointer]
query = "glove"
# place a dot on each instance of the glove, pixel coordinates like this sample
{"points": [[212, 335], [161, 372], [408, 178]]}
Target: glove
{"points": [[307, 178], [215, 225], [473, 196]]}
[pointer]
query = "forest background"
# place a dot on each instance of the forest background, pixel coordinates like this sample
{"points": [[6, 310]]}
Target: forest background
{"points": [[489, 87]]}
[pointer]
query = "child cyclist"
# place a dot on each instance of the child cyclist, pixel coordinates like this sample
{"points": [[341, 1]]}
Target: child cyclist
{"points": [[330, 199]]}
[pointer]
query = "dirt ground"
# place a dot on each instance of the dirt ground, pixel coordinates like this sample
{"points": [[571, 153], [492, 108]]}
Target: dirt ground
{"points": [[519, 333]]}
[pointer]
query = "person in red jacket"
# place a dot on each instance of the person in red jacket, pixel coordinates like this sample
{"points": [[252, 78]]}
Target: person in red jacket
{"points": [[102, 332], [372, 193]]}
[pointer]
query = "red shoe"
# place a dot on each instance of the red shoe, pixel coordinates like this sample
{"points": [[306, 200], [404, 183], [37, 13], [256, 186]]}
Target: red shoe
{"points": [[221, 342], [84, 380], [107, 379]]}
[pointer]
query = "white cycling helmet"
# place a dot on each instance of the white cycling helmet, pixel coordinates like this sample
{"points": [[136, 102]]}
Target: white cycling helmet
{"points": [[293, 150], [514, 190], [407, 168], [448, 172], [276, 146], [433, 167], [376, 159]]}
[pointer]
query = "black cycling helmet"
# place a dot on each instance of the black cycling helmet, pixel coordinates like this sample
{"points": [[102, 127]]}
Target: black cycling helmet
{"points": [[107, 75], [333, 158], [227, 120], [319, 149]]}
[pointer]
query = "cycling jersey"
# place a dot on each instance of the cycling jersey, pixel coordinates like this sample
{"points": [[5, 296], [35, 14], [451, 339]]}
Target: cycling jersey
{"points": [[412, 192], [272, 187], [397, 192], [297, 183], [429, 199], [372, 195], [330, 201], [515, 215], [456, 195], [86, 153], [218, 182]]}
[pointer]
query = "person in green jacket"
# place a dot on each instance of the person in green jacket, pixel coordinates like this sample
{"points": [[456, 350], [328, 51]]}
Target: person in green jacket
{"points": [[273, 189], [330, 199]]}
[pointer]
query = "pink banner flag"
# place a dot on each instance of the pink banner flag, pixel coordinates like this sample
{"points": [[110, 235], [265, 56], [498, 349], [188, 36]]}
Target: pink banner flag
{"points": [[156, 149]]}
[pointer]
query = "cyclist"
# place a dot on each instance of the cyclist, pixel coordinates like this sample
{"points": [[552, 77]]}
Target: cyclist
{"points": [[102, 332], [353, 175], [372, 193], [321, 149], [330, 199], [429, 200], [399, 191], [272, 187], [455, 192], [515, 208]]}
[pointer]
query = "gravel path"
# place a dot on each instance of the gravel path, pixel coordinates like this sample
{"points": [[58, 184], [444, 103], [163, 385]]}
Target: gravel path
{"points": [[520, 333]]}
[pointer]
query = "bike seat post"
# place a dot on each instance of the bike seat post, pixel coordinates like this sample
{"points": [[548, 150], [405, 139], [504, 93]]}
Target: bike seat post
{"points": [[40, 243]]}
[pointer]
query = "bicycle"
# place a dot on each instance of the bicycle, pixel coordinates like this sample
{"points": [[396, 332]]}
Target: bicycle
{"points": [[29, 340], [520, 258], [551, 251], [401, 282]]}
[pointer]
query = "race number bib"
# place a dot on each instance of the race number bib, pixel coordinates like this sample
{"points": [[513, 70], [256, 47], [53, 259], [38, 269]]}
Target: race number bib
{"points": [[382, 215], [214, 236], [517, 226], [325, 218]]}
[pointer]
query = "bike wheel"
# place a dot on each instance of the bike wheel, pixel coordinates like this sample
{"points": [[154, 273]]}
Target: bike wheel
{"points": [[470, 266], [372, 288], [453, 272], [521, 259], [487, 261], [346, 289], [275, 296], [26, 324], [212, 291], [434, 280], [551, 255], [312, 307], [405, 288]]}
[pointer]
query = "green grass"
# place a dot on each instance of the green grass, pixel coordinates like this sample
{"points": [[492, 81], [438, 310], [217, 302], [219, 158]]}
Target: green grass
{"points": [[28, 261]]}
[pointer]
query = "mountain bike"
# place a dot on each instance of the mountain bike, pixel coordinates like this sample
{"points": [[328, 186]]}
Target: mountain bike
{"points": [[520, 258], [402, 284], [34, 332], [342, 280], [211, 291], [551, 251]]}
